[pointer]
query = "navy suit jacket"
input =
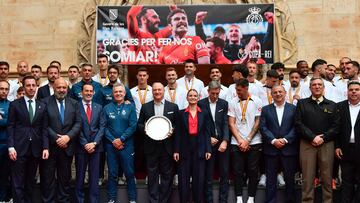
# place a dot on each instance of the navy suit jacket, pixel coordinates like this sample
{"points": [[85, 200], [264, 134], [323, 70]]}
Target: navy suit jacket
{"points": [[71, 126], [171, 111], [270, 129], [343, 138], [43, 92], [20, 129], [221, 119], [182, 137], [93, 131]]}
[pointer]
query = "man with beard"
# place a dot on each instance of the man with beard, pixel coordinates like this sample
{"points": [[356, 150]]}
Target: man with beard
{"points": [[149, 27], [177, 52], [351, 72], [36, 72], [22, 69], [330, 72], [48, 90], [215, 75], [4, 75], [189, 81], [272, 79], [173, 92], [234, 48], [293, 92], [86, 72], [342, 63], [216, 46], [318, 68], [65, 125], [252, 66], [303, 68], [280, 69]]}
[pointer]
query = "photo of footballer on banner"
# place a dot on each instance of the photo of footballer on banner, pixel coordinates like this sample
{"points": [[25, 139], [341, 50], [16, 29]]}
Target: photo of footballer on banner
{"points": [[207, 34]]}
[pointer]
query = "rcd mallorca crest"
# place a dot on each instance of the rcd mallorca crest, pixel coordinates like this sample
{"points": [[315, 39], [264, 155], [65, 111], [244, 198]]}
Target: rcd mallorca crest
{"points": [[254, 17]]}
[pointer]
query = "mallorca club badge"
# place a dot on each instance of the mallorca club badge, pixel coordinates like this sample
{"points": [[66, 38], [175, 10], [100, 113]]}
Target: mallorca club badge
{"points": [[254, 17]]}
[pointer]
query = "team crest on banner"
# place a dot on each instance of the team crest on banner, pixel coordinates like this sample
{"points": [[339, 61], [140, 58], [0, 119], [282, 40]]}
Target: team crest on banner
{"points": [[113, 14]]}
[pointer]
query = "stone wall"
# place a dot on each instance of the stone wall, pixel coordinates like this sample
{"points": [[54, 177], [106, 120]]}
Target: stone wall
{"points": [[39, 31]]}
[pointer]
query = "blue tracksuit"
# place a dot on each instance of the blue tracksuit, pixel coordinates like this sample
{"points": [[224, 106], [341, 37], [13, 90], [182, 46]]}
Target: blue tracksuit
{"points": [[75, 91], [121, 123], [4, 154], [104, 96]]}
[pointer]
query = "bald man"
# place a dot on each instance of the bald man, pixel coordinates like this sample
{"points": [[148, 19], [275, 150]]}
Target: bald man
{"points": [[158, 153], [65, 117]]}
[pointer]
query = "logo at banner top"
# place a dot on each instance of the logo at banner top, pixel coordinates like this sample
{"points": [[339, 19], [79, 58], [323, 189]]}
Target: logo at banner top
{"points": [[254, 17], [113, 14]]}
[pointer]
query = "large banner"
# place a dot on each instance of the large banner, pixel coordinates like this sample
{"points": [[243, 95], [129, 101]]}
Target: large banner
{"points": [[206, 34]]}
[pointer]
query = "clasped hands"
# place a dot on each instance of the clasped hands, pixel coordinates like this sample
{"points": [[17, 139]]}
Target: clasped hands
{"points": [[318, 140]]}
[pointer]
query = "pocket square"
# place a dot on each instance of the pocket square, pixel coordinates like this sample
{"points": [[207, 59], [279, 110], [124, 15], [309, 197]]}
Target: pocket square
{"points": [[170, 112], [221, 110]]}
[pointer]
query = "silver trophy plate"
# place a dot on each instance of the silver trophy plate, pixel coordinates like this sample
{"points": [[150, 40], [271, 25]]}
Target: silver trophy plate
{"points": [[158, 127]]}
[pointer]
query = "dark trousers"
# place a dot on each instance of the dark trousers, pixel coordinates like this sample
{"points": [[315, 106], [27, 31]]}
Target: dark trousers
{"points": [[222, 160], [288, 164], [248, 163], [350, 174], [5, 186], [23, 173], [193, 167], [82, 160], [160, 163], [60, 163], [125, 159]]}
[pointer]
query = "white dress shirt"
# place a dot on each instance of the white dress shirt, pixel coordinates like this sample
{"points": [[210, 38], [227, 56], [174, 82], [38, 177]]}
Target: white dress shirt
{"points": [[180, 97], [135, 94], [194, 83], [159, 107]]}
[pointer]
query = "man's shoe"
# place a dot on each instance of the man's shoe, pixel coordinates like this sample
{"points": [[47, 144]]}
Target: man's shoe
{"points": [[101, 181], [280, 180], [111, 201], [262, 181]]}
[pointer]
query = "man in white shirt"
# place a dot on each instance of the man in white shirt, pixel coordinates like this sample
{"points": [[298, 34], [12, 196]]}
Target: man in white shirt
{"points": [[4, 75], [215, 75], [189, 81], [342, 63], [244, 119], [102, 77], [318, 68], [280, 69], [173, 92], [272, 79], [22, 69], [303, 68], [252, 67], [351, 72], [293, 92]]}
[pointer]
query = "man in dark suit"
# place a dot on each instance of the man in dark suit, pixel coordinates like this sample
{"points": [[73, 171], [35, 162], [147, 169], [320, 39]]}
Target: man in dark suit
{"points": [[27, 141], [218, 109], [348, 144], [158, 153], [48, 89], [280, 143], [65, 117], [89, 145]]}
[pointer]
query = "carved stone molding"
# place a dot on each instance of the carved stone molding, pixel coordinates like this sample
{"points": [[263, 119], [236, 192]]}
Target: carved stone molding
{"points": [[285, 45]]}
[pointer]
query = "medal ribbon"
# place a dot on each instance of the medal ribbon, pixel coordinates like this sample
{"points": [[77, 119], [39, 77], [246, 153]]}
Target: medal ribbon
{"points": [[244, 107], [187, 86], [172, 96], [142, 97], [269, 97], [291, 98]]}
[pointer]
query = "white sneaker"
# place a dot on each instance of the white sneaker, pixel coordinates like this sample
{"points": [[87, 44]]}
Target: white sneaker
{"points": [[262, 181], [101, 181], [239, 199], [280, 180], [122, 180], [250, 200], [38, 180], [146, 180], [176, 180]]}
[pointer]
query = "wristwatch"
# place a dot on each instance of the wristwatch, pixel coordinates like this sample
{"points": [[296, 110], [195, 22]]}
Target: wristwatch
{"points": [[248, 139], [95, 143]]}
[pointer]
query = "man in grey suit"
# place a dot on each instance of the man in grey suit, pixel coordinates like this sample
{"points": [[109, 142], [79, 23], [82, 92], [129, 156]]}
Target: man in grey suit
{"points": [[64, 114]]}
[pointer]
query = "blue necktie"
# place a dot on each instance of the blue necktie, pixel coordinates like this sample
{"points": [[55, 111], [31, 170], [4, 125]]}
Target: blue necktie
{"points": [[62, 111]]}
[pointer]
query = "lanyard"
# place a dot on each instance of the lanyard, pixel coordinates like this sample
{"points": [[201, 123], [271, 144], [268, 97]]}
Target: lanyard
{"points": [[243, 109], [291, 98], [142, 98]]}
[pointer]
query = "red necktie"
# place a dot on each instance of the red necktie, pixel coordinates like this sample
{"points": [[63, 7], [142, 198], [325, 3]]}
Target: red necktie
{"points": [[88, 112]]}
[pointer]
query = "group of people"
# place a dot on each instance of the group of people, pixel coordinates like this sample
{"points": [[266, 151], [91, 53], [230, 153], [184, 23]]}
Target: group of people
{"points": [[249, 129]]}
